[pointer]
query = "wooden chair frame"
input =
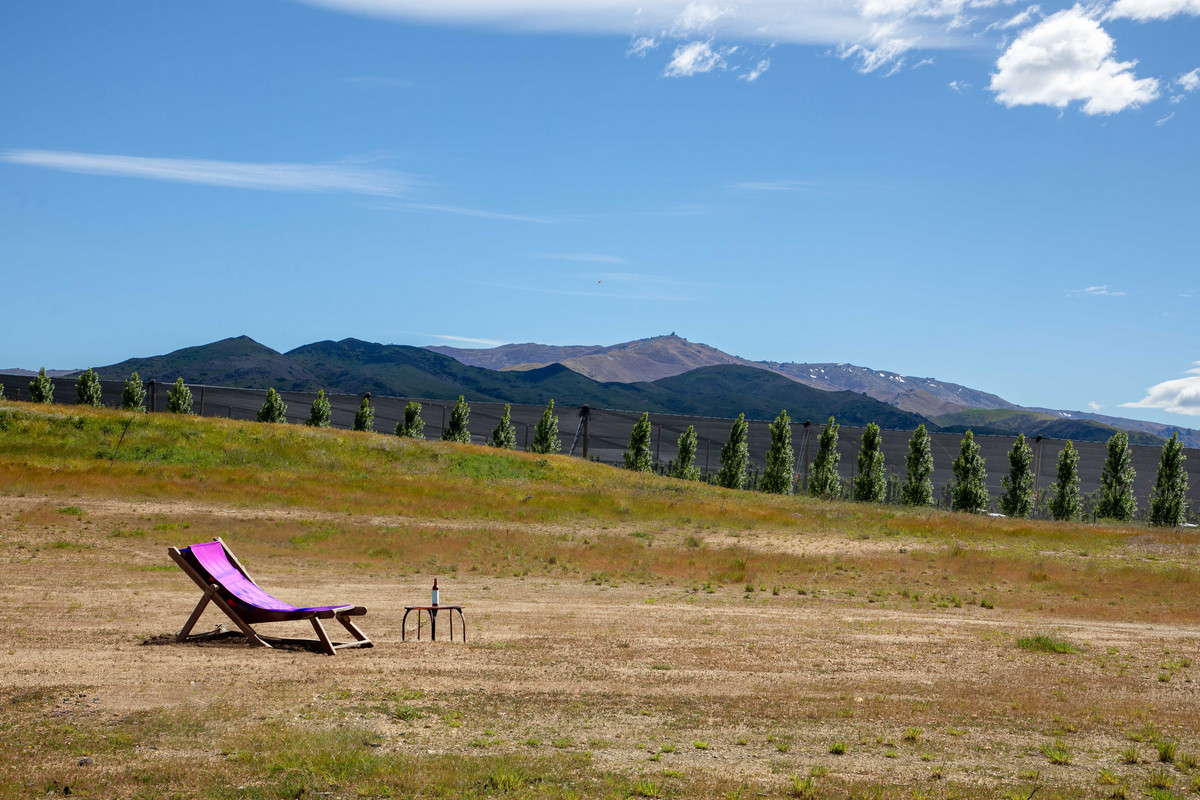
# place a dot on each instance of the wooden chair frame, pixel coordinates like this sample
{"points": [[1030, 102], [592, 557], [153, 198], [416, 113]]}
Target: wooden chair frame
{"points": [[246, 615]]}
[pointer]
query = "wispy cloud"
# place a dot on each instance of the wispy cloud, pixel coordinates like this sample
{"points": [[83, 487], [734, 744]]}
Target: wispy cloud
{"points": [[1179, 396], [779, 185], [756, 73], [268, 176], [1094, 406], [589, 258], [1164, 120], [959, 86], [1097, 291], [694, 58], [640, 46], [465, 339], [471, 212]]}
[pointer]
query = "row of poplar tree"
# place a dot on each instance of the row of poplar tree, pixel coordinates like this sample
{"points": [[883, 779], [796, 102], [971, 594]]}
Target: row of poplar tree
{"points": [[968, 491]]}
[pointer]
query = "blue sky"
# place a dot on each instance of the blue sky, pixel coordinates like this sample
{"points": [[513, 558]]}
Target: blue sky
{"points": [[998, 194]]}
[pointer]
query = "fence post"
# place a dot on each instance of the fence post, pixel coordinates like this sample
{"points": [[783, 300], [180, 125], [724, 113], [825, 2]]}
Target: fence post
{"points": [[443, 432], [231, 412], [153, 396], [526, 431], [658, 448], [707, 448], [202, 401], [587, 413]]}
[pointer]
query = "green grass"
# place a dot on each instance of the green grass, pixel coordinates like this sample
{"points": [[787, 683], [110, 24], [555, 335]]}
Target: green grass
{"points": [[1043, 643]]}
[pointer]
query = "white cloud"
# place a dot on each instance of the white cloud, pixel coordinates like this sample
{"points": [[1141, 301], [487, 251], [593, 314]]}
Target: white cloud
{"points": [[1065, 58], [272, 177], [1094, 406], [756, 73], [465, 339], [1164, 120], [693, 58], [780, 185], [1146, 10], [640, 46], [1179, 396], [959, 86], [699, 16], [471, 212], [884, 47], [1189, 81], [588, 258], [1098, 291], [1017, 20]]}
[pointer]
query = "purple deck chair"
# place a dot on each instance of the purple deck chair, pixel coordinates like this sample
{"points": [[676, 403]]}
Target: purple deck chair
{"points": [[226, 583]]}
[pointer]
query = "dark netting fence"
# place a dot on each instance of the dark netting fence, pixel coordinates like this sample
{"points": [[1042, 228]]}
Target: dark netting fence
{"points": [[603, 435]]}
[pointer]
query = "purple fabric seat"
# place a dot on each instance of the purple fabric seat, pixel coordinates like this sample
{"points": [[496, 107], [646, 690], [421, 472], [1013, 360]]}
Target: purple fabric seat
{"points": [[212, 557]]}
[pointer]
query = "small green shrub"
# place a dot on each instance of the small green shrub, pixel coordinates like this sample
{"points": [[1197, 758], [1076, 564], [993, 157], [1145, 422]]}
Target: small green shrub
{"points": [[1044, 643]]}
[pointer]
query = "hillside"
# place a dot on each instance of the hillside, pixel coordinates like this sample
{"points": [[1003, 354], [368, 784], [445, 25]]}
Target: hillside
{"points": [[627, 362], [352, 366], [238, 361], [665, 356], [1033, 423], [1189, 436]]}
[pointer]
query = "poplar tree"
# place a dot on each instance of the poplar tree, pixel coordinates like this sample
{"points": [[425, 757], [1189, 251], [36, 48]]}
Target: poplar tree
{"points": [[179, 398], [1064, 506], [273, 410], [685, 458], [364, 418], [545, 435], [504, 435], [870, 482], [41, 388], [457, 431], [88, 389], [638, 457], [969, 492], [825, 481], [735, 456], [918, 464], [318, 415], [781, 460], [1168, 499], [2, 397], [1017, 500], [413, 427], [1116, 481], [133, 394]]}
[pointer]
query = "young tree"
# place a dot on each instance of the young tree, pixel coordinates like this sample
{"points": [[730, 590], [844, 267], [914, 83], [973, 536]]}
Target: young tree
{"points": [[133, 394], [1168, 500], [685, 459], [413, 427], [638, 457], [364, 418], [825, 481], [1116, 481], [41, 388], [1017, 500], [918, 489], [273, 410], [87, 388], [545, 435], [318, 415], [969, 492], [735, 456], [179, 398], [781, 460], [2, 398], [1065, 503], [504, 435], [870, 482], [457, 431]]}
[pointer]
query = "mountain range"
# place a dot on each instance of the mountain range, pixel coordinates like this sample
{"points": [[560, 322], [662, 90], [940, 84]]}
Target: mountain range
{"points": [[661, 374]]}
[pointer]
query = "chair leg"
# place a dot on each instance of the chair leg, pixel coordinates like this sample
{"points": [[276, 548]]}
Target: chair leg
{"points": [[249, 632], [326, 645], [358, 635], [195, 617]]}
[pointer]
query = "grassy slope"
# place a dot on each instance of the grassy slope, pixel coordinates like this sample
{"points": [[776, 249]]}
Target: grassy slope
{"points": [[514, 513]]}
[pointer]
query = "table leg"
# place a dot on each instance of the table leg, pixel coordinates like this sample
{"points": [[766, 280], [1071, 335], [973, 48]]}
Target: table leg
{"points": [[432, 625], [464, 624], [403, 620]]}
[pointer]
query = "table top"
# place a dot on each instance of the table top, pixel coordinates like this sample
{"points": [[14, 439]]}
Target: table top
{"points": [[434, 608]]}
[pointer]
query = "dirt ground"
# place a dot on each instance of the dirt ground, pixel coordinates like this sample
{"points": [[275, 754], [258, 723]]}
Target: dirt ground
{"points": [[723, 687]]}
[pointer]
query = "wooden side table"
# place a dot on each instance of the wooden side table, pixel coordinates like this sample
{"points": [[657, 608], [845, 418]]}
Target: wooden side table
{"points": [[433, 611]]}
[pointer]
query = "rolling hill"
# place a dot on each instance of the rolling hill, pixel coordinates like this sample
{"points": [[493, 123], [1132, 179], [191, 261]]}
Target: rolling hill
{"points": [[1033, 423], [353, 366]]}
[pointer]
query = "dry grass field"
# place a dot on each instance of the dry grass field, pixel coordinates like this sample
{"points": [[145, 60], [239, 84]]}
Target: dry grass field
{"points": [[628, 636]]}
